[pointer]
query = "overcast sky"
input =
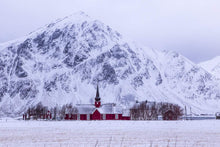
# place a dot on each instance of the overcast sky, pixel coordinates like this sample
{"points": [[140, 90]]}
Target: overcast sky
{"points": [[190, 27]]}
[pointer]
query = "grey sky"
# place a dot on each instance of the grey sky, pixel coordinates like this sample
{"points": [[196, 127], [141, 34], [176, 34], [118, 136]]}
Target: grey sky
{"points": [[191, 27]]}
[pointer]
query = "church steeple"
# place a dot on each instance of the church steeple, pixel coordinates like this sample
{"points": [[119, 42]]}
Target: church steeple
{"points": [[97, 98]]}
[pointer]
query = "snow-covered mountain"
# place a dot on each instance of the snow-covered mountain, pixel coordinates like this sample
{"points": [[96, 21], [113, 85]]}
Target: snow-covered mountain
{"points": [[62, 62], [212, 66]]}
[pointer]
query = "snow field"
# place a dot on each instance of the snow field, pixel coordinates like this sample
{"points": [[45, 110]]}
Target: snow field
{"points": [[15, 133]]}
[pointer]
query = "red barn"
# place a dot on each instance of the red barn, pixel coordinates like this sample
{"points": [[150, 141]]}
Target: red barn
{"points": [[99, 111]]}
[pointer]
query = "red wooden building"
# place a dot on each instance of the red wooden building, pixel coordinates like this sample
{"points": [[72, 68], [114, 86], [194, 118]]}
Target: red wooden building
{"points": [[98, 111]]}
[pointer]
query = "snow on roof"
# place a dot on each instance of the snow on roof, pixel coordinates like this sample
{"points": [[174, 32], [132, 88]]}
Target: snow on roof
{"points": [[85, 109], [109, 108], [106, 109], [126, 112], [118, 109]]}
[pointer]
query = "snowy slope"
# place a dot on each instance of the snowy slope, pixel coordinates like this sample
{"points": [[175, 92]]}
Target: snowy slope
{"points": [[62, 62], [212, 66]]}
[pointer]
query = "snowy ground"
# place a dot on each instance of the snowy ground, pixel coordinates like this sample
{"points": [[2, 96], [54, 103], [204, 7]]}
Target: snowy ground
{"points": [[110, 133]]}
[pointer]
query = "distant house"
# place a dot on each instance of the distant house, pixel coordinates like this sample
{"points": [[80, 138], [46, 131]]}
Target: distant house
{"points": [[98, 111], [169, 115], [217, 115]]}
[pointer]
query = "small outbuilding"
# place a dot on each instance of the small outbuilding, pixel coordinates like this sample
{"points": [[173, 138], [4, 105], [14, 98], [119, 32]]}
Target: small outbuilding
{"points": [[169, 115], [217, 115]]}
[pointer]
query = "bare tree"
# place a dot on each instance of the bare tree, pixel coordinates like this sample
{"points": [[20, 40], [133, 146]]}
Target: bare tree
{"points": [[151, 110]]}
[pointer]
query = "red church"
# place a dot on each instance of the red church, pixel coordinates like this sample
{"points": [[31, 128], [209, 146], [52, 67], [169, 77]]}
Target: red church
{"points": [[98, 111]]}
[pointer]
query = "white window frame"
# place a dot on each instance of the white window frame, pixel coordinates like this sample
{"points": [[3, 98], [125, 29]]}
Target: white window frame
{"points": [[116, 116], [88, 116]]}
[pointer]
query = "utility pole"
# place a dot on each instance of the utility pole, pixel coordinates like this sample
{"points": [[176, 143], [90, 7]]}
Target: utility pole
{"points": [[190, 113], [185, 113]]}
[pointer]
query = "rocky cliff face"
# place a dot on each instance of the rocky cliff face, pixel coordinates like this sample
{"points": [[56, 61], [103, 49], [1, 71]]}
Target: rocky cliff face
{"points": [[63, 61], [212, 66]]}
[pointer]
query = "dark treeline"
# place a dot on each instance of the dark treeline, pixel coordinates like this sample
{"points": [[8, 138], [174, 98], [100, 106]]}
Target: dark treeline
{"points": [[151, 110], [140, 111], [56, 113]]}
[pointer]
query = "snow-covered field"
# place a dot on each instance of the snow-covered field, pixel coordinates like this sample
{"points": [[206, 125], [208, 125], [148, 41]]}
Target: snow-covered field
{"points": [[109, 133]]}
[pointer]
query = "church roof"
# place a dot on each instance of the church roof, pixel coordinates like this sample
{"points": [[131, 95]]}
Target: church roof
{"points": [[109, 108], [85, 108]]}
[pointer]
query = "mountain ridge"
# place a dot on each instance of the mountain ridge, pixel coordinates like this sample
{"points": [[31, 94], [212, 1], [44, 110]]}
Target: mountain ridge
{"points": [[212, 66], [62, 62]]}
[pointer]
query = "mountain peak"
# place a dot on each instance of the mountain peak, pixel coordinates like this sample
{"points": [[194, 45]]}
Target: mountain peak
{"points": [[61, 63], [73, 18], [212, 66]]}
